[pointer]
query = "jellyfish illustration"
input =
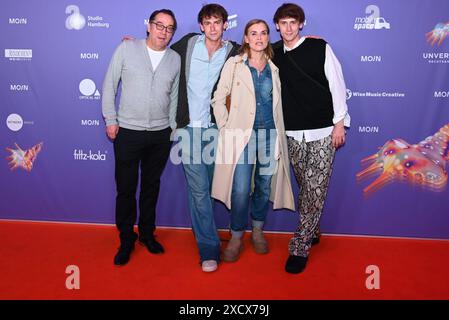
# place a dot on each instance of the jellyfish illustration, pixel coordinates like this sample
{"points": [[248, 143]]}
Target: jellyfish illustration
{"points": [[421, 164], [23, 158]]}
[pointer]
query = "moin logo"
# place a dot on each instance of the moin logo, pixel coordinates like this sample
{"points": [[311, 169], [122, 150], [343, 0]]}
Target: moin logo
{"points": [[79, 154], [372, 22], [438, 33], [19, 87], [88, 90], [18, 20], [75, 20], [441, 94]]}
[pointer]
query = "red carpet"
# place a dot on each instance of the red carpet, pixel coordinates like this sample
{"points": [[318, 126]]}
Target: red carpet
{"points": [[34, 257]]}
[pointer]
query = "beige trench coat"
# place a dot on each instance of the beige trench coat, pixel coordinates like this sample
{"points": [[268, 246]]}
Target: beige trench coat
{"points": [[239, 123]]}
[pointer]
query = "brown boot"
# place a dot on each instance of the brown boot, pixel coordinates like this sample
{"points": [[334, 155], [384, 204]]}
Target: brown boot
{"points": [[232, 251], [258, 240]]}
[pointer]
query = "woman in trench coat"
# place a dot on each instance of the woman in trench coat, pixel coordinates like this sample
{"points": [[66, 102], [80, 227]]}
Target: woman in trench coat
{"points": [[251, 133]]}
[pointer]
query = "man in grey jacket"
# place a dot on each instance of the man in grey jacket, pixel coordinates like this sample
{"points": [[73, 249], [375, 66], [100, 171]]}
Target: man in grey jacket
{"points": [[141, 126]]}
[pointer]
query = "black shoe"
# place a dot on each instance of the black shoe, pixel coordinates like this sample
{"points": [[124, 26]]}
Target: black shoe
{"points": [[152, 245], [123, 254], [315, 241], [295, 264]]}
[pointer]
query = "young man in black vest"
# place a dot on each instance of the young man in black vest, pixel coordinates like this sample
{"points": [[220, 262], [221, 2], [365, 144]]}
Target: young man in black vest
{"points": [[315, 114]]}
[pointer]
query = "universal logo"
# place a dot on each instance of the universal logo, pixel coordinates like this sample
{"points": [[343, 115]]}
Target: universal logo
{"points": [[81, 155], [76, 21], [19, 54], [438, 33], [88, 90], [372, 22], [436, 36]]}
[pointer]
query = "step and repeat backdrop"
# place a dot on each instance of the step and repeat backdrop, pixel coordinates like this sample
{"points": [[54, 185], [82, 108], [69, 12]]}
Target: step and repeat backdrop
{"points": [[389, 179]]}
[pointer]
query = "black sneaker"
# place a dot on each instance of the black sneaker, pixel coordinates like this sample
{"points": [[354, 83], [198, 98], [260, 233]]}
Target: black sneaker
{"points": [[315, 241], [152, 245], [123, 254], [295, 264]]}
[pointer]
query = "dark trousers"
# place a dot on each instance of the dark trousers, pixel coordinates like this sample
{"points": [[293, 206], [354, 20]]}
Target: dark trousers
{"points": [[150, 149]]}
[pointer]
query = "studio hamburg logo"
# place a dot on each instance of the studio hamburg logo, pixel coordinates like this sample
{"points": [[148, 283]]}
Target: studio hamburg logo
{"points": [[75, 20]]}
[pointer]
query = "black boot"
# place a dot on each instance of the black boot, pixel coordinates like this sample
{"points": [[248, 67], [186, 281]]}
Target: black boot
{"points": [[295, 264], [124, 253], [152, 245]]}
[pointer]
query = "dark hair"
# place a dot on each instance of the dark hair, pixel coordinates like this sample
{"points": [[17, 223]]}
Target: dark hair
{"points": [[165, 11], [289, 10], [212, 10], [245, 46]]}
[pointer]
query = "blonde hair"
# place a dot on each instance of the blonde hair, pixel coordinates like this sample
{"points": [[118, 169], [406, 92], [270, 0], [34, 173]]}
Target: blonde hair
{"points": [[245, 46]]}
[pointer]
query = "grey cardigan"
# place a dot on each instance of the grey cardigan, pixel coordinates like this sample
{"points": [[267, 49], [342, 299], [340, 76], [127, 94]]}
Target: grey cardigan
{"points": [[149, 97]]}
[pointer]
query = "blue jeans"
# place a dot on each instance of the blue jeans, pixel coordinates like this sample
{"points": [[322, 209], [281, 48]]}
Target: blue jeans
{"points": [[259, 151], [199, 170]]}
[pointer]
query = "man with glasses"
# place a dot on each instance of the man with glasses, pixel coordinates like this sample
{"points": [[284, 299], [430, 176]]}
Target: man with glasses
{"points": [[202, 58], [141, 126]]}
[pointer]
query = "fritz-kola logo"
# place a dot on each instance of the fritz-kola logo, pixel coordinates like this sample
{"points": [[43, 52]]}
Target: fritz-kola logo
{"points": [[79, 154], [438, 33], [88, 90], [75, 20], [372, 22]]}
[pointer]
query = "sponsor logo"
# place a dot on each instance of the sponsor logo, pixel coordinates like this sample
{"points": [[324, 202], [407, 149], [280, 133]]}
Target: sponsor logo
{"points": [[76, 21], [232, 22], [19, 54], [436, 57], [19, 87], [88, 90], [371, 22], [371, 58], [90, 123], [23, 158], [81, 155], [369, 129], [438, 34], [348, 94], [441, 94], [373, 94], [89, 56], [18, 21], [14, 122]]}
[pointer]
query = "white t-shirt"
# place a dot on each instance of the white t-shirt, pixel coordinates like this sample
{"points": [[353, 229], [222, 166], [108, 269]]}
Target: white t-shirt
{"points": [[156, 57]]}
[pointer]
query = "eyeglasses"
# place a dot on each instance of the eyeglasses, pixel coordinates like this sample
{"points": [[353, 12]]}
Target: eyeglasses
{"points": [[160, 26]]}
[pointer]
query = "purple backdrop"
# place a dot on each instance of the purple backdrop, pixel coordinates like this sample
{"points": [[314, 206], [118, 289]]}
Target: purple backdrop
{"points": [[395, 60]]}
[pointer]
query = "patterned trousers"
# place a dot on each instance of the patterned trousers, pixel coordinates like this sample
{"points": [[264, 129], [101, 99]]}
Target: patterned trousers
{"points": [[312, 164]]}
